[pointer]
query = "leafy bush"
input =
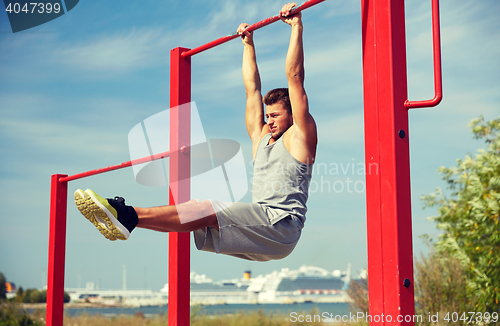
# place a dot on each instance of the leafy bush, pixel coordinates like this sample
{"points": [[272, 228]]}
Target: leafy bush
{"points": [[469, 217], [461, 273], [440, 287], [2, 286], [11, 314], [35, 296], [358, 292]]}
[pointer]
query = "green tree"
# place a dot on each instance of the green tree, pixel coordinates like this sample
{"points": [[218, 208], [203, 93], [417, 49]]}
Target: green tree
{"points": [[66, 298], [2, 286], [19, 294], [440, 283], [12, 314], [469, 216], [358, 292], [34, 296]]}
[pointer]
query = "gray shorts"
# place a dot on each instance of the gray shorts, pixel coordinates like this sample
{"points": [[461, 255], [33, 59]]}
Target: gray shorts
{"points": [[245, 231]]}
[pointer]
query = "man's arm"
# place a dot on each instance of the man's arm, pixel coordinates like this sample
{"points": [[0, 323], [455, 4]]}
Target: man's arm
{"points": [[304, 128], [254, 116]]}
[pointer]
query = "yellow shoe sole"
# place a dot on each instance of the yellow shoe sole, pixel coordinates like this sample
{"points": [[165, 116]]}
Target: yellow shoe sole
{"points": [[102, 215]]}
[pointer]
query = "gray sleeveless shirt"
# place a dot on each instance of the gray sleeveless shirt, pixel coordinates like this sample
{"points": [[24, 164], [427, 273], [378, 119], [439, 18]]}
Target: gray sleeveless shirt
{"points": [[280, 181]]}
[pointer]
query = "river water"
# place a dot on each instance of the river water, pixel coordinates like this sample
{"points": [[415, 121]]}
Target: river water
{"points": [[334, 309]]}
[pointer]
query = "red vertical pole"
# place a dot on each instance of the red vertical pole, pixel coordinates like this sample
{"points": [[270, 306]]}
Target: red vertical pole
{"points": [[179, 190], [390, 257], [57, 250]]}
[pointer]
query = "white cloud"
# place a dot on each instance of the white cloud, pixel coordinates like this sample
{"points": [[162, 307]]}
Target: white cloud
{"points": [[54, 136], [337, 58], [342, 131], [336, 8], [116, 53]]}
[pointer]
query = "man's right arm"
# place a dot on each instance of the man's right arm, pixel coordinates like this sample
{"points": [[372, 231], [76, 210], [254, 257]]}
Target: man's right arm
{"points": [[254, 116]]}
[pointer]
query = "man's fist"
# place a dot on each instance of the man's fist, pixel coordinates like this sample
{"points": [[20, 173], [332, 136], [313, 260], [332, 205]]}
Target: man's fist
{"points": [[246, 36], [288, 17]]}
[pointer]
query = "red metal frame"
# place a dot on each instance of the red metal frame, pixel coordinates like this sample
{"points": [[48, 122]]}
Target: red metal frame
{"points": [[387, 160], [57, 250], [388, 188], [127, 164], [250, 28], [180, 135], [388, 200], [390, 257], [436, 44], [57, 228]]}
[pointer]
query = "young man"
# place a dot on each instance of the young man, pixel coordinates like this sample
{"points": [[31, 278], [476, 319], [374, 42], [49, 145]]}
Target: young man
{"points": [[283, 149]]}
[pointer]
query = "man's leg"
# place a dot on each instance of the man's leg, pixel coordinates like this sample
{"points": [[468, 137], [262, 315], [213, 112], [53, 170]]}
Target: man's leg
{"points": [[185, 217], [115, 220]]}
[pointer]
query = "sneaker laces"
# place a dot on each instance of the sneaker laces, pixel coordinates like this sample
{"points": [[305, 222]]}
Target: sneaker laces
{"points": [[120, 200]]}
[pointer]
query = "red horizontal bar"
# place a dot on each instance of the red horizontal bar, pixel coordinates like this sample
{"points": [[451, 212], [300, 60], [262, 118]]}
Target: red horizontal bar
{"points": [[117, 166], [250, 28], [438, 82]]}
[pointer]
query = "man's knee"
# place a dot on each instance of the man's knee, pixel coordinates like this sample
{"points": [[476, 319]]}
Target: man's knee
{"points": [[194, 210], [209, 213], [205, 206]]}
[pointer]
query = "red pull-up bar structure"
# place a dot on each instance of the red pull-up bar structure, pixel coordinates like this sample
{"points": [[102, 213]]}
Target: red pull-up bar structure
{"points": [[387, 158], [390, 258], [250, 28], [180, 93]]}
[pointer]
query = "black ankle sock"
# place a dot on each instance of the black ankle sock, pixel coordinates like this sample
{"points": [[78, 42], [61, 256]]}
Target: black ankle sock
{"points": [[133, 214]]}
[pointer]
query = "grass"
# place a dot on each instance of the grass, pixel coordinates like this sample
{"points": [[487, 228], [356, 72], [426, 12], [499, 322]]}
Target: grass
{"points": [[198, 318], [242, 318], [254, 318], [12, 314]]}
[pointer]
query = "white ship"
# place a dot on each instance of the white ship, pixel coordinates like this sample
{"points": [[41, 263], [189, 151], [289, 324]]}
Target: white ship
{"points": [[132, 298], [208, 292], [307, 284]]}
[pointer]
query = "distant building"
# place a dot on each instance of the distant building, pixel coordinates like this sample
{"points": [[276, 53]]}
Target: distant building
{"points": [[10, 290], [307, 284]]}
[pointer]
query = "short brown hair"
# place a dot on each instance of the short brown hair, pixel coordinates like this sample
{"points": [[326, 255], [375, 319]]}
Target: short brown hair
{"points": [[278, 95]]}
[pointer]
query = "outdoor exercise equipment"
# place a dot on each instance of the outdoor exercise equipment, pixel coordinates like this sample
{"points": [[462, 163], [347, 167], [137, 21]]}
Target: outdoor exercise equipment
{"points": [[390, 257]]}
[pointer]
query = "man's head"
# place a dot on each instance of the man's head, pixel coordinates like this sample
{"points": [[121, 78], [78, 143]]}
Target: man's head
{"points": [[278, 111]]}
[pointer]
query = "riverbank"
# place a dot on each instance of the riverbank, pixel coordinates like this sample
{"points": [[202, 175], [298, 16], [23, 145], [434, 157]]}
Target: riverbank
{"points": [[198, 318], [82, 305], [232, 314], [74, 309]]}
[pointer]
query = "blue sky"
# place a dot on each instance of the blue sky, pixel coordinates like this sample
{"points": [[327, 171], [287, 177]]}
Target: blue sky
{"points": [[73, 88]]}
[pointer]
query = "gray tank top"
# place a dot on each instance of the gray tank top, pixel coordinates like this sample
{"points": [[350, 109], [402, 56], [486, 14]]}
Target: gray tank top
{"points": [[280, 181]]}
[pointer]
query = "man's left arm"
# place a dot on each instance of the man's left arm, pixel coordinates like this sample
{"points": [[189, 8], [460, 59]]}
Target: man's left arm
{"points": [[304, 129]]}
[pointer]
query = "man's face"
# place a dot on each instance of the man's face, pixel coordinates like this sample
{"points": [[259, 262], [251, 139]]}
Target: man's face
{"points": [[278, 119]]}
